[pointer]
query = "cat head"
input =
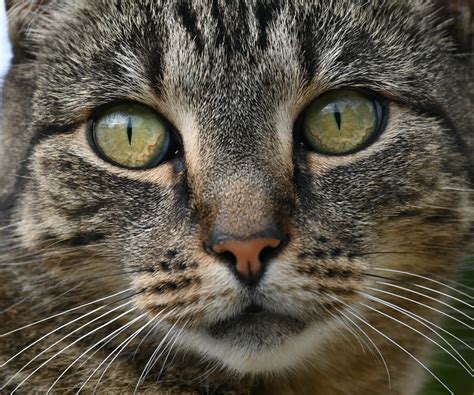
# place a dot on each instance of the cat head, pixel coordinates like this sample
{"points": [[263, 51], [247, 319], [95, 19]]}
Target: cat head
{"points": [[239, 222]]}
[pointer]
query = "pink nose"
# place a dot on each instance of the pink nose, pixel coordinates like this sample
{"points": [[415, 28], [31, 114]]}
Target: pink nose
{"points": [[247, 254]]}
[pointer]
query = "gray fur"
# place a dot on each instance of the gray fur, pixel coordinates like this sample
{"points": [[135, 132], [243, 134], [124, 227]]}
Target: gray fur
{"points": [[232, 79]]}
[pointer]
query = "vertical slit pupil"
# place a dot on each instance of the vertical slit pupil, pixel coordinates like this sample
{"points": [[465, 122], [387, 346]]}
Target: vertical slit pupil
{"points": [[337, 115], [129, 130]]}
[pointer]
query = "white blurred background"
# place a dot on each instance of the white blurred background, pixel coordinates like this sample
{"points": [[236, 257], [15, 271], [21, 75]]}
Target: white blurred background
{"points": [[4, 44]]}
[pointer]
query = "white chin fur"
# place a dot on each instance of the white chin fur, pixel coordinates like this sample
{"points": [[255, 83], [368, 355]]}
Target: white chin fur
{"points": [[288, 356]]}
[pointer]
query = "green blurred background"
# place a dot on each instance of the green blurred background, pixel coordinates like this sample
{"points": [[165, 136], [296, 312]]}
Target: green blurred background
{"points": [[443, 365]]}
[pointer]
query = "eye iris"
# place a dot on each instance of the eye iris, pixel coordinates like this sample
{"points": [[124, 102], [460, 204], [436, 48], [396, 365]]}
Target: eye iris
{"points": [[131, 135], [340, 122]]}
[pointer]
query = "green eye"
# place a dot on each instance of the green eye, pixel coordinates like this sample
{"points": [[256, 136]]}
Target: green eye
{"points": [[131, 135], [341, 122]]}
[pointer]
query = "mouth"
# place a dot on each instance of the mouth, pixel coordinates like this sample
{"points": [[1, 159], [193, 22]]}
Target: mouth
{"points": [[256, 328], [259, 340]]}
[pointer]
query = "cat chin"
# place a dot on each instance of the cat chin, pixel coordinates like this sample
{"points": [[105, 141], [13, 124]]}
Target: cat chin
{"points": [[258, 356]]}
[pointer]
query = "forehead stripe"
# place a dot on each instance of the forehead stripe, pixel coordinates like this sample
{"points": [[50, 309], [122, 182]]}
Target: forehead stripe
{"points": [[189, 21]]}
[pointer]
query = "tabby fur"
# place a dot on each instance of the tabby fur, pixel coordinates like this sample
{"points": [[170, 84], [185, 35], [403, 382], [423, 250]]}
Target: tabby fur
{"points": [[232, 78]]}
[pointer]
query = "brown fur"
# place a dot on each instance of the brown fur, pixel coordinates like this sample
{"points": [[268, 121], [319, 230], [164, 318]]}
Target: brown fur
{"points": [[386, 224]]}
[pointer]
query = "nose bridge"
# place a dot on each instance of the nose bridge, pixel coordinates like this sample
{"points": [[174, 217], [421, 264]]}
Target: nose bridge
{"points": [[249, 224], [244, 210], [239, 172]]}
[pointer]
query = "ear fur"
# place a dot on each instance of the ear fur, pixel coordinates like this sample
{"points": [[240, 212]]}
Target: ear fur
{"points": [[21, 15]]}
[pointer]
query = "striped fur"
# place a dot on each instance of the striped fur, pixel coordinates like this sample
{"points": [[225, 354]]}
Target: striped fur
{"points": [[232, 78]]}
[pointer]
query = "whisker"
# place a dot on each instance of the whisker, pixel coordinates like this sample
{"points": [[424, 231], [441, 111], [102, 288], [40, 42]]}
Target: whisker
{"points": [[362, 343], [444, 294], [370, 340], [44, 305], [171, 347], [403, 349], [457, 284], [12, 306], [463, 363], [8, 226], [427, 279], [413, 252], [68, 346], [119, 349], [422, 304], [47, 305], [459, 189], [112, 275], [109, 337], [149, 365], [432, 324], [145, 337], [214, 367], [438, 207], [426, 296], [62, 313], [385, 278], [389, 379], [100, 365], [50, 333], [63, 326], [127, 342], [39, 251]]}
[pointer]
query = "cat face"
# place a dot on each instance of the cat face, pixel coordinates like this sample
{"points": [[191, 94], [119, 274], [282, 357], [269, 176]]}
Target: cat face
{"points": [[233, 84]]}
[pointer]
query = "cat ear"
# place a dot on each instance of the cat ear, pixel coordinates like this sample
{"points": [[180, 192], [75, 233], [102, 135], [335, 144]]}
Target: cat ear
{"points": [[21, 16], [460, 13]]}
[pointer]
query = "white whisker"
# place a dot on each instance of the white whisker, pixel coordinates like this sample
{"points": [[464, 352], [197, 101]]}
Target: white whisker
{"points": [[427, 297], [445, 295], [422, 304], [427, 279], [68, 346], [8, 226], [53, 331], [362, 343], [404, 350], [152, 321], [12, 306], [432, 324], [370, 340], [119, 349], [461, 362], [460, 189], [109, 337], [145, 337], [64, 312], [149, 365], [171, 347]]}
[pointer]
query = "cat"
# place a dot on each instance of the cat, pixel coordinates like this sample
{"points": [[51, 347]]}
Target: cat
{"points": [[252, 197]]}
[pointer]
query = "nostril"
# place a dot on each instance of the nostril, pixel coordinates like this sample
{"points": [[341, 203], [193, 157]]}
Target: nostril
{"points": [[227, 257], [246, 250], [268, 253], [248, 258]]}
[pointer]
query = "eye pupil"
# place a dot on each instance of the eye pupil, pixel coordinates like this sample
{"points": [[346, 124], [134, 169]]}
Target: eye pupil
{"points": [[129, 130], [337, 115]]}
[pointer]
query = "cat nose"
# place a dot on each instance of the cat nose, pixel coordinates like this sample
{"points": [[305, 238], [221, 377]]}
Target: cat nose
{"points": [[247, 255]]}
